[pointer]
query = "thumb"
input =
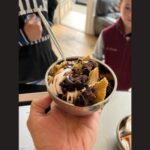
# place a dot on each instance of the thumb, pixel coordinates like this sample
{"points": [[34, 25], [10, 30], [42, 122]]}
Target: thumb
{"points": [[40, 105]]}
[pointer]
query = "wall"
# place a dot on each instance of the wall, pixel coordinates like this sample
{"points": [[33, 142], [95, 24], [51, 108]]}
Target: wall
{"points": [[91, 4]]}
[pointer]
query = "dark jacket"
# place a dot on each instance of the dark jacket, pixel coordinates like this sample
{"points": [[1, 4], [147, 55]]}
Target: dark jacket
{"points": [[117, 51]]}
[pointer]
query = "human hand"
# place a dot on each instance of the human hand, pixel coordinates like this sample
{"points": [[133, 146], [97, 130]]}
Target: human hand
{"points": [[58, 130], [33, 28]]}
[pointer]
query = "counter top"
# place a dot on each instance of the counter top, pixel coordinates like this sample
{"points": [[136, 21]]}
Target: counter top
{"points": [[32, 96], [118, 107]]}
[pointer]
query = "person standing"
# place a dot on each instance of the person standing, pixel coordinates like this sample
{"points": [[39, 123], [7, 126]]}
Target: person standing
{"points": [[114, 45], [35, 50]]}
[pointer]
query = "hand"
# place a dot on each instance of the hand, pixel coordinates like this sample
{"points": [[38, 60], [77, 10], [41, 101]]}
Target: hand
{"points": [[58, 130], [33, 28]]}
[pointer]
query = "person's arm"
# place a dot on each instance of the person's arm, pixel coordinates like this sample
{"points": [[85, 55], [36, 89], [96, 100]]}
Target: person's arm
{"points": [[98, 50], [59, 130], [31, 31]]}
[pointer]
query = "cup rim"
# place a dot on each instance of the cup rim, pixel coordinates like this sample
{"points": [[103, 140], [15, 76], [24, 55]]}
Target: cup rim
{"points": [[118, 128]]}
